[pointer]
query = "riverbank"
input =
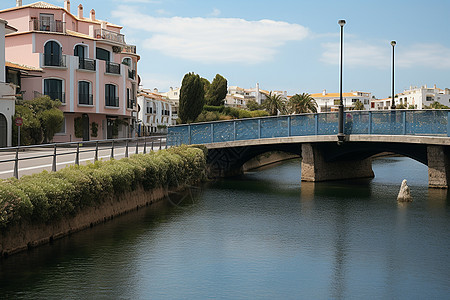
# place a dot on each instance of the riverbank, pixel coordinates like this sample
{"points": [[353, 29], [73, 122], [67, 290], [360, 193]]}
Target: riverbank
{"points": [[43, 207]]}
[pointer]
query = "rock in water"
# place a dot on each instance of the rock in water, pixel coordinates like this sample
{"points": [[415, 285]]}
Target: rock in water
{"points": [[404, 195]]}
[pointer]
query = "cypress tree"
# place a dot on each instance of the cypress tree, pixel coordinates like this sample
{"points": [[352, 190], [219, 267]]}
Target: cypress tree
{"points": [[217, 91], [192, 98]]}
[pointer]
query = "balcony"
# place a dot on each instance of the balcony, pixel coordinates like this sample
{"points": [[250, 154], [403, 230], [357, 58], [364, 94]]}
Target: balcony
{"points": [[129, 49], [50, 26], [131, 74], [54, 60], [111, 36], [86, 64], [112, 68], [57, 96], [112, 101], [85, 99]]}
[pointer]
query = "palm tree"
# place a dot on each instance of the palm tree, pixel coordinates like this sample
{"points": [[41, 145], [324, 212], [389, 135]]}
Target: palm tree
{"points": [[274, 104], [304, 103]]}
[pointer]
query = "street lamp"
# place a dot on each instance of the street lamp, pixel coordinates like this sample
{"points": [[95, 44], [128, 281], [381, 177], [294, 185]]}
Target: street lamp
{"points": [[393, 43], [341, 135]]}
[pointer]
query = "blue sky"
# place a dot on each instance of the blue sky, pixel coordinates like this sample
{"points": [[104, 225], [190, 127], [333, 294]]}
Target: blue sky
{"points": [[287, 45]]}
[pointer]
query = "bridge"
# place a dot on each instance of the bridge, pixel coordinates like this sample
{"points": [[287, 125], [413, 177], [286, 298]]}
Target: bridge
{"points": [[423, 135]]}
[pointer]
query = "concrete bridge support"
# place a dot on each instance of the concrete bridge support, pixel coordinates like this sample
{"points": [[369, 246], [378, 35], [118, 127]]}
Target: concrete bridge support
{"points": [[438, 167], [315, 167]]}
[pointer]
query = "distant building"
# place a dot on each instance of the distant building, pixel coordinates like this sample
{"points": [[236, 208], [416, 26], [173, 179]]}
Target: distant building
{"points": [[238, 97], [7, 92], [173, 95], [330, 101], [423, 96], [81, 61], [380, 104], [155, 112]]}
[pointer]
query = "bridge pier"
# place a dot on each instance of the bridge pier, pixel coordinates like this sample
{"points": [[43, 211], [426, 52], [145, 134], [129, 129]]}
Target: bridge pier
{"points": [[438, 167], [315, 167]]}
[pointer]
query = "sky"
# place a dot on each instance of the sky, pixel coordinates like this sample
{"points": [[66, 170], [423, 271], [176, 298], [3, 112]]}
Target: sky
{"points": [[284, 45]]}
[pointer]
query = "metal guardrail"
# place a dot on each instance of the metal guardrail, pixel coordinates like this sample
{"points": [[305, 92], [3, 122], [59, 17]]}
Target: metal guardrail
{"points": [[131, 146], [394, 122]]}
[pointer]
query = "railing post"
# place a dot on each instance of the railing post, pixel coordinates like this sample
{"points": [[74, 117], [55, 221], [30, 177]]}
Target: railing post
{"points": [[77, 155], [189, 134], [112, 150], [126, 149], [448, 123], [16, 164], [259, 128], [54, 158], [96, 151], [160, 143], [316, 124], [370, 123], [289, 126], [137, 146], [152, 144], [212, 133], [404, 121], [166, 142], [234, 130], [145, 146]]}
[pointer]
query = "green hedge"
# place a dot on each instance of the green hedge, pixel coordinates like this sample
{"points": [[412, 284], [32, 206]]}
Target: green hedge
{"points": [[49, 196]]}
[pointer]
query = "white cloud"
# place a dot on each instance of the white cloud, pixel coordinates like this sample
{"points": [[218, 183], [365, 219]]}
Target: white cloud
{"points": [[212, 39], [216, 12], [362, 54]]}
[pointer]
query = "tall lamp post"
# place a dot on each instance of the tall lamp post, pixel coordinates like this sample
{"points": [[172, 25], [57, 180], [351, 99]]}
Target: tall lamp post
{"points": [[393, 43], [341, 135]]}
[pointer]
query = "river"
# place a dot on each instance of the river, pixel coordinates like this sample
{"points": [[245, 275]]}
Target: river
{"points": [[263, 235]]}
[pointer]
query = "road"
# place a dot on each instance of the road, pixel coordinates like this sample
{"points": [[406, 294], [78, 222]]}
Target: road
{"points": [[35, 160]]}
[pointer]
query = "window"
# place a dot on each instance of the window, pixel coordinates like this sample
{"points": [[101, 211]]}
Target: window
{"points": [[63, 127], [84, 93], [110, 95], [54, 89], [52, 54], [429, 98], [127, 62], [79, 51], [103, 54]]}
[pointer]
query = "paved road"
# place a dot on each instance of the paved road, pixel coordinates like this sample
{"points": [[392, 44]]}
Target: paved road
{"points": [[36, 160]]}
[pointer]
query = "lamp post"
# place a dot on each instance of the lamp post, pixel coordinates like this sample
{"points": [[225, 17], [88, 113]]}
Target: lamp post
{"points": [[341, 135], [393, 43]]}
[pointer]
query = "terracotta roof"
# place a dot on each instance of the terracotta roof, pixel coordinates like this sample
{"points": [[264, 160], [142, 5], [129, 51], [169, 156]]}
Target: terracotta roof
{"points": [[79, 34], [22, 67], [45, 5]]}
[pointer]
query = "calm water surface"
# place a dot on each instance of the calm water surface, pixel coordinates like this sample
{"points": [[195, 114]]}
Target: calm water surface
{"points": [[263, 235]]}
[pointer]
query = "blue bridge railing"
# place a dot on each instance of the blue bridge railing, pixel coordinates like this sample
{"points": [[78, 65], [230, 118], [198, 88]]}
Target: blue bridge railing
{"points": [[392, 122]]}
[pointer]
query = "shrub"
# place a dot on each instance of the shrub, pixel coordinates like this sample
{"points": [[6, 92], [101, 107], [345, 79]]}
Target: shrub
{"points": [[14, 204], [244, 114]]}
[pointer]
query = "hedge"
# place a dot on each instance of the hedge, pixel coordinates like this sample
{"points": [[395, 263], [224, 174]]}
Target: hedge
{"points": [[50, 196]]}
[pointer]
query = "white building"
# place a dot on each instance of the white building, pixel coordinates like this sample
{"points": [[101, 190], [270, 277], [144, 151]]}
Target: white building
{"points": [[419, 97], [238, 97], [173, 95], [155, 112], [7, 91], [380, 104], [330, 101]]}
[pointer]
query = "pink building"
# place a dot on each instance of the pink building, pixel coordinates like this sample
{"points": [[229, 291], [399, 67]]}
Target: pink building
{"points": [[82, 61]]}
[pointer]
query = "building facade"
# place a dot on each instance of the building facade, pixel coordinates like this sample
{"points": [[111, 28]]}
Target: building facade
{"points": [[330, 101], [7, 92], [155, 113], [418, 98], [85, 63]]}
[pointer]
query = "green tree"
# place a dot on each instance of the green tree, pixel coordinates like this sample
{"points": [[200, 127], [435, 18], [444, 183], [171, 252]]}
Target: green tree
{"points": [[274, 104], [41, 118], [358, 105], [253, 105], [192, 98], [437, 105], [302, 103], [206, 84], [217, 91]]}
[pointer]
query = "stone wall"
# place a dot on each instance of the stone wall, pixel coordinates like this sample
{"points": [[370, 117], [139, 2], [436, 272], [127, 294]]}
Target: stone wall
{"points": [[27, 235]]}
